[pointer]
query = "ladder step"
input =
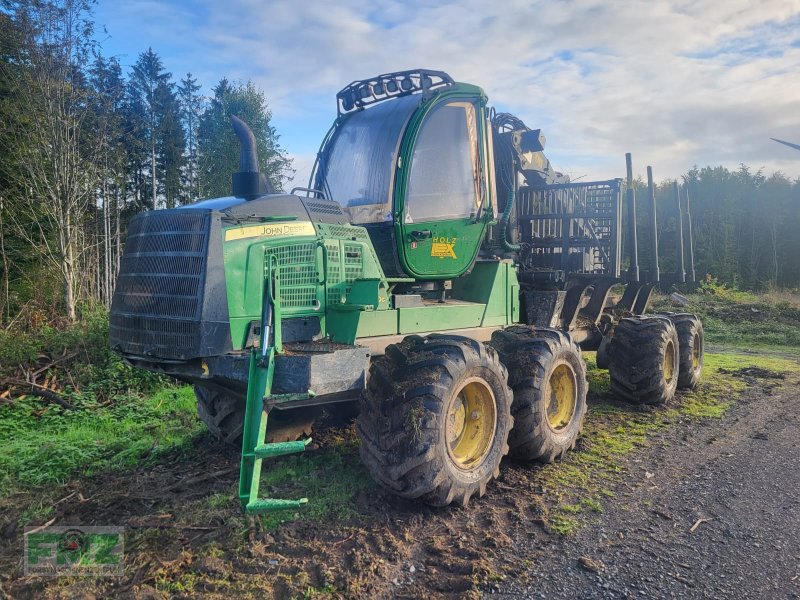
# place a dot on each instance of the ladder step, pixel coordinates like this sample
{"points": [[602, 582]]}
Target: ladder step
{"points": [[269, 504], [280, 448]]}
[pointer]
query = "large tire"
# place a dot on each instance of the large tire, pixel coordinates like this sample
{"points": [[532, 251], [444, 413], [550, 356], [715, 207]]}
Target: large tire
{"points": [[643, 360], [434, 422], [223, 414], [691, 348], [548, 377]]}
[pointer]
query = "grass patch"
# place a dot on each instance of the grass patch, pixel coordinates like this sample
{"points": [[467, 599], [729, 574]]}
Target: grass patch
{"points": [[733, 318], [562, 524], [329, 478], [44, 445]]}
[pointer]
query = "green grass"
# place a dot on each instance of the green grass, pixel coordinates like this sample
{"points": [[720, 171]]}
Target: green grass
{"points": [[733, 318], [42, 445], [329, 478]]}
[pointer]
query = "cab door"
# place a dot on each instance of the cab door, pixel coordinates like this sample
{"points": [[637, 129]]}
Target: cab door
{"points": [[441, 223]]}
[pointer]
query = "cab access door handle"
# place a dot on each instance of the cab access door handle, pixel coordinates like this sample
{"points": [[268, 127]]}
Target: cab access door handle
{"points": [[418, 236]]}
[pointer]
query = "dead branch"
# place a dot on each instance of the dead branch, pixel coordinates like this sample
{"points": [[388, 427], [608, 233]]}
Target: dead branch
{"points": [[38, 390]]}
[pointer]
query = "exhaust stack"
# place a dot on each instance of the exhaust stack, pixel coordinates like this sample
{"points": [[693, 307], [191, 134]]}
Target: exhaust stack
{"points": [[248, 182]]}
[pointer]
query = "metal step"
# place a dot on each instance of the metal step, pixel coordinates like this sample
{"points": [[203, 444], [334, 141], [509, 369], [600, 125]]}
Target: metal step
{"points": [[269, 504], [280, 448]]}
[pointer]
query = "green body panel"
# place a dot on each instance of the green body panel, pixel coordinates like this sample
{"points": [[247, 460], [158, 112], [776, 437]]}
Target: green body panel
{"points": [[244, 276], [315, 273], [495, 285], [340, 281], [436, 317], [376, 323], [453, 243]]}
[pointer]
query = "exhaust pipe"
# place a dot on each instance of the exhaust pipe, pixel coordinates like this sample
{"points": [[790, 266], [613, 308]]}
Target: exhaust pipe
{"points": [[248, 183]]}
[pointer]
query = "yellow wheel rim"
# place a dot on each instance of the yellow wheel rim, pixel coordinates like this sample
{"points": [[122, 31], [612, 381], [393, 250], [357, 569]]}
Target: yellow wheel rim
{"points": [[561, 396], [696, 351], [471, 422], [669, 362]]}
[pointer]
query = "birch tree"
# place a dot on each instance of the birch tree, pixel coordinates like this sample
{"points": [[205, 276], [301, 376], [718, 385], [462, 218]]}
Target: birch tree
{"points": [[54, 151]]}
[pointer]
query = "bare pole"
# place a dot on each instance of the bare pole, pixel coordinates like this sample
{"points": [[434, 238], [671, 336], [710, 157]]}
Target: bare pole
{"points": [[633, 272], [680, 272], [688, 240], [655, 275]]}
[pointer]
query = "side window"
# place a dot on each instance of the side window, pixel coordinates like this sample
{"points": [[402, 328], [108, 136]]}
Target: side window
{"points": [[444, 179]]}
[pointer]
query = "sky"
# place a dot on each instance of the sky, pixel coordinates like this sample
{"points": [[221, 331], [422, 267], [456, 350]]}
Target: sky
{"points": [[676, 82]]}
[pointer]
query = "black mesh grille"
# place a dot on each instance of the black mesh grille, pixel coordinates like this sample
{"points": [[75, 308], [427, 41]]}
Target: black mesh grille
{"points": [[157, 303], [326, 211]]}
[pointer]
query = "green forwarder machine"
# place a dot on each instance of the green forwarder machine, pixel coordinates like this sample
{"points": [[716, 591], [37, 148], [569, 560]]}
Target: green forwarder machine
{"points": [[437, 273]]}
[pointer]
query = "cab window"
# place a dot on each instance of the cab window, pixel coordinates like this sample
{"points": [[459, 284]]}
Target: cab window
{"points": [[443, 180]]}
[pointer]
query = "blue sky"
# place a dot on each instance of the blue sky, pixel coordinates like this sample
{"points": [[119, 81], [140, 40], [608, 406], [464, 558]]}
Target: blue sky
{"points": [[676, 82]]}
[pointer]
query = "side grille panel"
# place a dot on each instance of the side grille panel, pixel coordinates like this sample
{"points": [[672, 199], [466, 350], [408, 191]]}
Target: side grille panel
{"points": [[158, 300], [298, 274]]}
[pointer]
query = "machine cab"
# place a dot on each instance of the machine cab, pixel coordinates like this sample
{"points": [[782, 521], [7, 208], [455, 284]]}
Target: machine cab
{"points": [[408, 158]]}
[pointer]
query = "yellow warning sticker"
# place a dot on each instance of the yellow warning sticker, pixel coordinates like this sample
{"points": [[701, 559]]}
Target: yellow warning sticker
{"points": [[443, 247], [287, 229]]}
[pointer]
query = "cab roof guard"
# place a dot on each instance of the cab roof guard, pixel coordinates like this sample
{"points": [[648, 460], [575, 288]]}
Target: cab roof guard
{"points": [[363, 93]]}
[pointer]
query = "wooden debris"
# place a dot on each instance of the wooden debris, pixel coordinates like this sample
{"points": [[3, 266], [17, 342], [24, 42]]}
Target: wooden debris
{"points": [[38, 390], [681, 578], [590, 564], [697, 524]]}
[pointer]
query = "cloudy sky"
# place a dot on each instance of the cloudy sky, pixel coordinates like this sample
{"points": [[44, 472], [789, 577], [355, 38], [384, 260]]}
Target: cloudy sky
{"points": [[675, 82]]}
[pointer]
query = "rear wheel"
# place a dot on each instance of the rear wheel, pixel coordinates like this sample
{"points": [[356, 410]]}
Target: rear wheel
{"points": [[223, 414], [548, 378], [644, 360], [435, 419], [690, 348]]}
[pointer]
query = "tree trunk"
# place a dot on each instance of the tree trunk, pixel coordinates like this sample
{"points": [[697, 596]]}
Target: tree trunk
{"points": [[6, 276], [153, 169]]}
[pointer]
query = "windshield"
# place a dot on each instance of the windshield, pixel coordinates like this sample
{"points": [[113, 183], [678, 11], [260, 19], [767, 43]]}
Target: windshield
{"points": [[358, 163]]}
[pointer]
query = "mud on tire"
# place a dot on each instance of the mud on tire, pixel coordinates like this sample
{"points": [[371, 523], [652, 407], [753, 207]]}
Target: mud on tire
{"points": [[406, 422], [223, 414], [534, 359], [643, 360]]}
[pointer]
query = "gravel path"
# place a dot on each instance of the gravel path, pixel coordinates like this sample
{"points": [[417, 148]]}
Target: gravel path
{"points": [[708, 512]]}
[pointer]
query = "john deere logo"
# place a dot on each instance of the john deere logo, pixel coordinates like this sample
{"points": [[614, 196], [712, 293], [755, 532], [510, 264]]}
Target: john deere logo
{"points": [[289, 229], [443, 247]]}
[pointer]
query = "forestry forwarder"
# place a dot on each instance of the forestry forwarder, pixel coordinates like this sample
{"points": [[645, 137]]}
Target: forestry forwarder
{"points": [[438, 271]]}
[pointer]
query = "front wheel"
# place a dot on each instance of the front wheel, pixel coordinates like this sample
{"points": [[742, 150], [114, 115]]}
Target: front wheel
{"points": [[434, 422], [223, 414]]}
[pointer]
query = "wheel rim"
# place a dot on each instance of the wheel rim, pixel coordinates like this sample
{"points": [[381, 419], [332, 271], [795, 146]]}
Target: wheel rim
{"points": [[562, 397], [471, 422], [696, 351], [669, 362]]}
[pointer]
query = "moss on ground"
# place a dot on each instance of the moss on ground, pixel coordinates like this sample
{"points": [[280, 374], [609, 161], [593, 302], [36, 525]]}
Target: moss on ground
{"points": [[578, 486]]}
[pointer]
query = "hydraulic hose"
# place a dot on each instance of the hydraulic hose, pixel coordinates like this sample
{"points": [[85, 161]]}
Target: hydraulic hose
{"points": [[504, 219]]}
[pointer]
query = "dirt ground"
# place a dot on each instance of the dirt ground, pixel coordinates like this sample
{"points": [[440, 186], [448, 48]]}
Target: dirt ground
{"points": [[705, 512], [696, 507]]}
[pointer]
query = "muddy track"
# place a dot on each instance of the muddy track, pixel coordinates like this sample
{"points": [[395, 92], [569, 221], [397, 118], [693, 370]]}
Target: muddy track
{"points": [[186, 536]]}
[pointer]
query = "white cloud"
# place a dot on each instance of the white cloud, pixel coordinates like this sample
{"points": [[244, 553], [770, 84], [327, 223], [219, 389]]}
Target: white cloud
{"points": [[675, 82]]}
